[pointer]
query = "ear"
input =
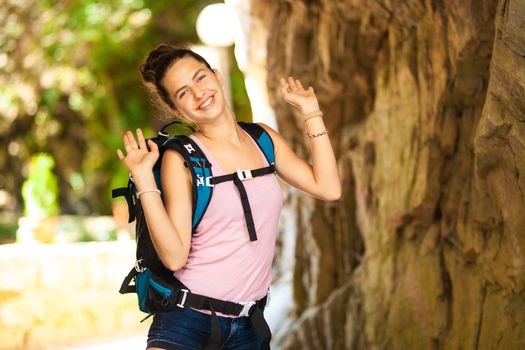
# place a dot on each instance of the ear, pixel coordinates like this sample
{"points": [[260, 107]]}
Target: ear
{"points": [[175, 111], [180, 116], [219, 76]]}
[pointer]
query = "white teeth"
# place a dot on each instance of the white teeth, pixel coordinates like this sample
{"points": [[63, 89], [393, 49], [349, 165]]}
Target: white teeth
{"points": [[206, 103]]}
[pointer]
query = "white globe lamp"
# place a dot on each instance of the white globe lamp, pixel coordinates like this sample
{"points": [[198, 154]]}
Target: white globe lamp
{"points": [[217, 24]]}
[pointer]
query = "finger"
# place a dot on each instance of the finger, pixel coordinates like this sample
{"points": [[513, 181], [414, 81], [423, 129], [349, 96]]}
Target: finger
{"points": [[120, 155], [310, 89], [285, 87], [153, 146], [299, 85], [291, 83], [127, 145], [284, 90], [131, 140], [140, 137]]}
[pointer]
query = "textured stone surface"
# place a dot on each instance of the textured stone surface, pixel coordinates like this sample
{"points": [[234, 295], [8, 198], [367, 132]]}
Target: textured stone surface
{"points": [[54, 295], [424, 102]]}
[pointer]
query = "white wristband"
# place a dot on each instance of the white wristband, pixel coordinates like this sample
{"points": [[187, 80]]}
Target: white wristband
{"points": [[146, 191]]}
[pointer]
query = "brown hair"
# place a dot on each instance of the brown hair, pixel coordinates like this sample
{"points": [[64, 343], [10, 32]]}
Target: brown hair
{"points": [[159, 60]]}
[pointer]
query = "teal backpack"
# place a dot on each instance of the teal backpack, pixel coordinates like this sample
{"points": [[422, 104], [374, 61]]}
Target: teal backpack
{"points": [[156, 287]]}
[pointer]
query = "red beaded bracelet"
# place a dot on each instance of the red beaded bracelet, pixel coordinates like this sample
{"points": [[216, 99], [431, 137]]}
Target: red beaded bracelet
{"points": [[317, 135]]}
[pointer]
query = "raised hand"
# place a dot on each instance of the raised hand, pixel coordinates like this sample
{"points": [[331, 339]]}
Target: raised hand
{"points": [[294, 93], [138, 158]]}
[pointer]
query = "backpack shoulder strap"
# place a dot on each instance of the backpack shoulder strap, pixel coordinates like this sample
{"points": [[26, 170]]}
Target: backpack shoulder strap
{"points": [[201, 173], [127, 193], [262, 138]]}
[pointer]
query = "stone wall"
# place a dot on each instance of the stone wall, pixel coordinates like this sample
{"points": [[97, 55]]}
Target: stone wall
{"points": [[424, 102], [54, 295]]}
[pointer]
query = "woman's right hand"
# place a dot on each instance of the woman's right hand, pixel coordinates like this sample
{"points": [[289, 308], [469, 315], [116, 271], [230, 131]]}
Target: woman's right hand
{"points": [[138, 159]]}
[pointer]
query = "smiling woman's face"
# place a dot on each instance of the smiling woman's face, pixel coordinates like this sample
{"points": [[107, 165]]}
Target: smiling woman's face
{"points": [[195, 90]]}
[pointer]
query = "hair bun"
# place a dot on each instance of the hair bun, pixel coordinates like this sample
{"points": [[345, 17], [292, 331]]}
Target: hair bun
{"points": [[148, 74], [156, 61]]}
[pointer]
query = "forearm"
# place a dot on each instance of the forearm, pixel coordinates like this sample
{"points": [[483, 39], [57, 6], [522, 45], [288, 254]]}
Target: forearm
{"points": [[324, 163], [164, 236]]}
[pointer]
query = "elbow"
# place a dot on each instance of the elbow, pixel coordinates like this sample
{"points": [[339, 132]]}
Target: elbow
{"points": [[174, 264], [334, 194]]}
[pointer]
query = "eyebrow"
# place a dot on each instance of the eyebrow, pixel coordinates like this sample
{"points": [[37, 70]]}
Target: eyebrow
{"points": [[193, 78]]}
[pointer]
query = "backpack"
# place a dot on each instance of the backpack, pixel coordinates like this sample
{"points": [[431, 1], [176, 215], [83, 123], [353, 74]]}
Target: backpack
{"points": [[156, 287]]}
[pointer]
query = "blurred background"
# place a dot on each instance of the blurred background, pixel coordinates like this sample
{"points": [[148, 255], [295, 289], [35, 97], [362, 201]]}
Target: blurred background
{"points": [[69, 89], [424, 104]]}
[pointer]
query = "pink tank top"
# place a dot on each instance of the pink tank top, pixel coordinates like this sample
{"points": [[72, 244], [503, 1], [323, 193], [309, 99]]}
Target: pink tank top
{"points": [[222, 262]]}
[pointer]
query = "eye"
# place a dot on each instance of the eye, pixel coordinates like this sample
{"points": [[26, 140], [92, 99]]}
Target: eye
{"points": [[201, 77], [183, 93]]}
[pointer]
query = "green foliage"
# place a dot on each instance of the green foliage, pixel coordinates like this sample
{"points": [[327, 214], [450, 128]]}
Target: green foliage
{"points": [[241, 103], [40, 189], [70, 86], [8, 231]]}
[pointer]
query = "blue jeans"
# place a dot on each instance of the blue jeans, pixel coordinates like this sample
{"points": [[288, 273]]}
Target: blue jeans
{"points": [[190, 330]]}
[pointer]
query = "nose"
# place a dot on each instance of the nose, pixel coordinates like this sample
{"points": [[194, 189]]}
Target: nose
{"points": [[198, 93]]}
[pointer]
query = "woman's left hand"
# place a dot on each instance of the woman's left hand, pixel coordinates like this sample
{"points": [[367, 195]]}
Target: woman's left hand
{"points": [[294, 93]]}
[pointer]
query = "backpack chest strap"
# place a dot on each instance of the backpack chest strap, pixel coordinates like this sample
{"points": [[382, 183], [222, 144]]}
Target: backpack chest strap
{"points": [[238, 178], [243, 175]]}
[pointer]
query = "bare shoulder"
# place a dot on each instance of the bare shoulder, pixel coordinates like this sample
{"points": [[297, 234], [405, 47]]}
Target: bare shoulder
{"points": [[275, 136], [172, 158], [173, 165]]}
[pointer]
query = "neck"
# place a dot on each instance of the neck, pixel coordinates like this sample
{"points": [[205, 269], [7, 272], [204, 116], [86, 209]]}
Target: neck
{"points": [[221, 130]]}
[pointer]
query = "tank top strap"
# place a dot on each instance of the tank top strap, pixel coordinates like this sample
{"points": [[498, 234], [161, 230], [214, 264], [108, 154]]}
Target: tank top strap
{"points": [[216, 169]]}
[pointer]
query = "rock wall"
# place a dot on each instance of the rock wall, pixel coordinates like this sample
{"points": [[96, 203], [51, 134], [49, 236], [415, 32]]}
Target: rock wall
{"points": [[424, 102], [54, 295]]}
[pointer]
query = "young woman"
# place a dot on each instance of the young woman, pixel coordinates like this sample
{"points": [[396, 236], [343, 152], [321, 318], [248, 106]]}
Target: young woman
{"points": [[219, 260]]}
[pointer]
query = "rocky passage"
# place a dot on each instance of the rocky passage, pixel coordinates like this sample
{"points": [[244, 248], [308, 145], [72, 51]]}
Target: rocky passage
{"points": [[424, 102]]}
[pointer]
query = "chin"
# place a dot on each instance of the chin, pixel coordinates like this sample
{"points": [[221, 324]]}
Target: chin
{"points": [[212, 114]]}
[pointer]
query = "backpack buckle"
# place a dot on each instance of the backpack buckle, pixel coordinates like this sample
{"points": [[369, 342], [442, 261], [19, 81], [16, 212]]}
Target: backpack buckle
{"points": [[244, 175], [246, 307], [139, 268], [184, 295]]}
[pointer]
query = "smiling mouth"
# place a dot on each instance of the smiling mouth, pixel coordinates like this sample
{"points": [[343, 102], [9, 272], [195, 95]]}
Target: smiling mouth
{"points": [[207, 104]]}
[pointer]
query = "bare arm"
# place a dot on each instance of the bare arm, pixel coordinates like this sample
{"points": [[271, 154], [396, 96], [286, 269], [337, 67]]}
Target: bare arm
{"points": [[169, 223], [321, 178]]}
